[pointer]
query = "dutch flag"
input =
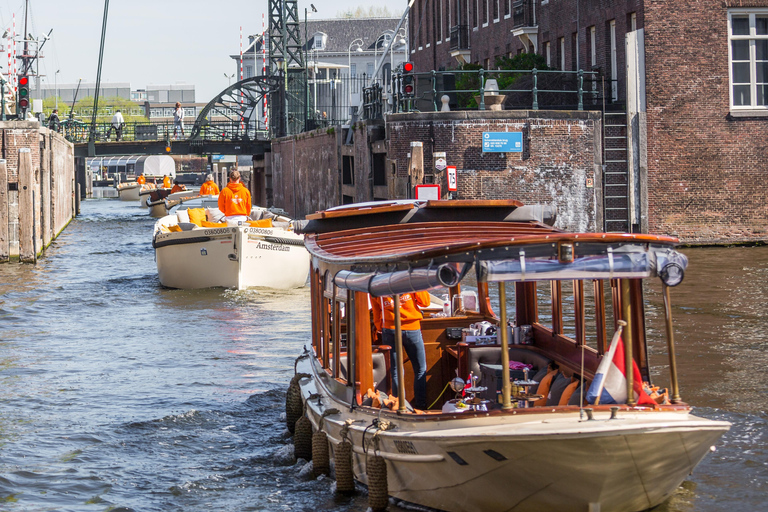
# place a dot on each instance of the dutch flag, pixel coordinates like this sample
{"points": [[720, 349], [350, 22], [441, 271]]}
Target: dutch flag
{"points": [[611, 382]]}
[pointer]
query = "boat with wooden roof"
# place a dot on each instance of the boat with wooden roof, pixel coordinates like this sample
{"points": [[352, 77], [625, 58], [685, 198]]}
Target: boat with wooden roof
{"points": [[567, 306]]}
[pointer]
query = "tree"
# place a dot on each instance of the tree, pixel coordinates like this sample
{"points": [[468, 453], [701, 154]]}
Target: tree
{"points": [[381, 11], [132, 112]]}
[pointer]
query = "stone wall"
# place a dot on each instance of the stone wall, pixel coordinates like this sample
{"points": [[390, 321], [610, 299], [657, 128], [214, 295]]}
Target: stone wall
{"points": [[36, 192], [560, 168]]}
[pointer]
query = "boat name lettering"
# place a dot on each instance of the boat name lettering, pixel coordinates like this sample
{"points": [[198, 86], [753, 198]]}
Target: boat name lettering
{"points": [[259, 231], [218, 231], [406, 447], [271, 247]]}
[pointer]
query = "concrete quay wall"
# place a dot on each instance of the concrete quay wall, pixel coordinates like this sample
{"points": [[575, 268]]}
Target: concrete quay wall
{"points": [[37, 188]]}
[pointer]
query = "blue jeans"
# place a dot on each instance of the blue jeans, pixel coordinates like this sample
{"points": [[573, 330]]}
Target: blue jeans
{"points": [[413, 344]]}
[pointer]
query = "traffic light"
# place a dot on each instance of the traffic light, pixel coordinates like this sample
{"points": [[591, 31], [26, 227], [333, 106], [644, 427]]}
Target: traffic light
{"points": [[408, 86], [24, 92]]}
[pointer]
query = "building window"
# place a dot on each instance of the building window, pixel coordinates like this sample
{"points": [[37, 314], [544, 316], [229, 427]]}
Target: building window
{"points": [[439, 7], [613, 49], [449, 11], [369, 69], [632, 21], [748, 53], [353, 69], [475, 17], [495, 5], [507, 8], [485, 12], [548, 54]]}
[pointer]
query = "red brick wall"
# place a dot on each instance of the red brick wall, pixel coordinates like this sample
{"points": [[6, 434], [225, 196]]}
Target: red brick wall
{"points": [[564, 153], [706, 170]]}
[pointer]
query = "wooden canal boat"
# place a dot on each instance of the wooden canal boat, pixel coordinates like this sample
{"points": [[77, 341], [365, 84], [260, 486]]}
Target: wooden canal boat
{"points": [[567, 295]]}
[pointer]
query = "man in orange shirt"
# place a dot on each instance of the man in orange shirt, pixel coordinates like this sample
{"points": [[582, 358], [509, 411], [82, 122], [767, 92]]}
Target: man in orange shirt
{"points": [[141, 180], [177, 187], [167, 182], [235, 199], [209, 188], [413, 343]]}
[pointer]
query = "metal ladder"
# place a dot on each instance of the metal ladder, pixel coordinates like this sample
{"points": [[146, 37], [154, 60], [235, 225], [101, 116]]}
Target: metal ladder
{"points": [[615, 173]]}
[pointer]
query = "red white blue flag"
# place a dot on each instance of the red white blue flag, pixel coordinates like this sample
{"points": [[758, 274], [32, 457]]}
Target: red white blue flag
{"points": [[611, 380]]}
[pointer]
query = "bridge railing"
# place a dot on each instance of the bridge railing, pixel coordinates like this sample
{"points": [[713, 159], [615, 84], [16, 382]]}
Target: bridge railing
{"points": [[79, 132]]}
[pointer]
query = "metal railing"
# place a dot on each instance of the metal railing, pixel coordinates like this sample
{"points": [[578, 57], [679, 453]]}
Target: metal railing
{"points": [[520, 89], [78, 132]]}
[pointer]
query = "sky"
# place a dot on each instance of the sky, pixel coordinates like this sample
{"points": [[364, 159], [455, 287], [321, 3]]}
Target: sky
{"points": [[151, 41]]}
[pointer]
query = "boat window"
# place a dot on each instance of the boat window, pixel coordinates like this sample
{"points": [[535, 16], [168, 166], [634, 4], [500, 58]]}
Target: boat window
{"points": [[544, 300]]}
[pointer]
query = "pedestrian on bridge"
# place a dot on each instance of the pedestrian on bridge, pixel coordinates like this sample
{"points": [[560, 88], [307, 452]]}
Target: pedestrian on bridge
{"points": [[235, 199], [53, 121], [178, 120], [117, 125]]}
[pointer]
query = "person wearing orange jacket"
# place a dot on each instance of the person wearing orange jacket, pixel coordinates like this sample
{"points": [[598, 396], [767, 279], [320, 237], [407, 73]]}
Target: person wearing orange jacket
{"points": [[410, 324], [167, 182], [209, 188], [177, 187], [141, 180], [235, 199]]}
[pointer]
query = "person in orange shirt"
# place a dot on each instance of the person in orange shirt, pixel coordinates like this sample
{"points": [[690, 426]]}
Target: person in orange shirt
{"points": [[235, 199], [413, 343], [141, 180], [167, 182], [178, 187], [209, 188]]}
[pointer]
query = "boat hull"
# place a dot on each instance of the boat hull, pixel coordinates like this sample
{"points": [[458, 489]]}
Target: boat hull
{"points": [[522, 461], [231, 257], [128, 191]]}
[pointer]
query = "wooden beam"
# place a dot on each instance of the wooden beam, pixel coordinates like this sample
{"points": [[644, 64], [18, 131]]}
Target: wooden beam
{"points": [[556, 288], [578, 311], [363, 344], [597, 285], [5, 242], [27, 214]]}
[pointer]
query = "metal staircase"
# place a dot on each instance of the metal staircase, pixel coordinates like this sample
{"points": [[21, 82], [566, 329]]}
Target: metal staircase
{"points": [[615, 173]]}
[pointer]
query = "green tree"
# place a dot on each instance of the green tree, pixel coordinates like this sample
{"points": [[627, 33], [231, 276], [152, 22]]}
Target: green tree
{"points": [[132, 112], [523, 62]]}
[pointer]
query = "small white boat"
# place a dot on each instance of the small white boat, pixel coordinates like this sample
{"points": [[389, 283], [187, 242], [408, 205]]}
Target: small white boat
{"points": [[148, 190], [265, 252], [517, 444], [128, 191]]}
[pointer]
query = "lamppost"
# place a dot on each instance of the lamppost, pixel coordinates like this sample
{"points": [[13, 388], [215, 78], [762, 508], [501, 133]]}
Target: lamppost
{"points": [[395, 42], [359, 43], [306, 68], [229, 78], [56, 87]]}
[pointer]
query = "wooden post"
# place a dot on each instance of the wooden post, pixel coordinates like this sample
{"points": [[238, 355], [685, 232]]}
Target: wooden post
{"points": [[46, 224], [26, 209], [363, 344], [400, 358], [506, 389], [671, 346], [5, 246], [626, 313]]}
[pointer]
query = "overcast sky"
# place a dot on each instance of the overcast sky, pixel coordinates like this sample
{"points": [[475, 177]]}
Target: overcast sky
{"points": [[151, 41]]}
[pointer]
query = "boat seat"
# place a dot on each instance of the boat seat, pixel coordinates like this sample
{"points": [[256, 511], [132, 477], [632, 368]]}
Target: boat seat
{"points": [[380, 369], [187, 226], [470, 358]]}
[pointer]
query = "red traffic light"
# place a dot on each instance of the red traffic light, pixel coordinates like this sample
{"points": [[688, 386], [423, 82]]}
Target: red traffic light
{"points": [[408, 89], [407, 67], [23, 80], [24, 103]]}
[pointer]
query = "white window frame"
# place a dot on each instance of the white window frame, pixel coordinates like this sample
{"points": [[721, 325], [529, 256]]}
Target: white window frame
{"points": [[548, 54], [508, 8], [448, 33], [614, 61], [498, 11], [440, 27], [487, 17], [561, 42], [752, 13]]}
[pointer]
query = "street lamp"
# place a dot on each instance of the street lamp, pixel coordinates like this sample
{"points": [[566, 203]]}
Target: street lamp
{"points": [[56, 87], [359, 43], [229, 78], [397, 40]]}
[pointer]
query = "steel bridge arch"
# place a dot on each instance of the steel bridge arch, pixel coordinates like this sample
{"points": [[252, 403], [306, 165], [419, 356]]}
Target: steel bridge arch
{"points": [[238, 105]]}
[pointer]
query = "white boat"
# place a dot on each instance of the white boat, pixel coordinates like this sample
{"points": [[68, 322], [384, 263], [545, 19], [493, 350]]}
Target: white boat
{"points": [[162, 201], [148, 190], [496, 449], [128, 191], [233, 256]]}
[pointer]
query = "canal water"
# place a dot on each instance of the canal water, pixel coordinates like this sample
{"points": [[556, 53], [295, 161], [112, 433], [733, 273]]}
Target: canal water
{"points": [[119, 395]]}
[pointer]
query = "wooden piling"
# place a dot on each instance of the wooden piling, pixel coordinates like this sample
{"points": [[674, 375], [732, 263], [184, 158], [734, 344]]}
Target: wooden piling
{"points": [[5, 246], [26, 207]]}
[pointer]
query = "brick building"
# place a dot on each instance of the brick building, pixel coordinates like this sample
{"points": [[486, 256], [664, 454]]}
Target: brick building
{"points": [[691, 77]]}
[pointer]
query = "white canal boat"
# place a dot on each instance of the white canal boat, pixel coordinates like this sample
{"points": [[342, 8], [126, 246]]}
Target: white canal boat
{"points": [[195, 253], [513, 443], [161, 201]]}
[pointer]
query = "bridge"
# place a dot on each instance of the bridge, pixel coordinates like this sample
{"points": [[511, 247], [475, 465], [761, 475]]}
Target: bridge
{"points": [[235, 122]]}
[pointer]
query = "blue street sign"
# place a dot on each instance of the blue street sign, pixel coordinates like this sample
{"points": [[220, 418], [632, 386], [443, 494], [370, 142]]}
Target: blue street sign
{"points": [[502, 142]]}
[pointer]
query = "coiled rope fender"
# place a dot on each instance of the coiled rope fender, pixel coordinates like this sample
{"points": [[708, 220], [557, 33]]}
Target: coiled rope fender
{"points": [[345, 478], [294, 406], [320, 454], [302, 439], [376, 471]]}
